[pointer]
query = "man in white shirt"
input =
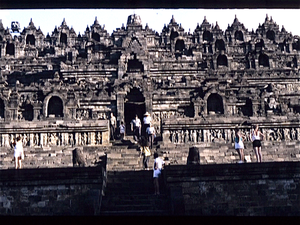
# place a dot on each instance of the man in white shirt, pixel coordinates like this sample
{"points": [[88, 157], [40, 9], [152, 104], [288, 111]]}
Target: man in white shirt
{"points": [[137, 125], [147, 122], [150, 131], [157, 168], [113, 126]]}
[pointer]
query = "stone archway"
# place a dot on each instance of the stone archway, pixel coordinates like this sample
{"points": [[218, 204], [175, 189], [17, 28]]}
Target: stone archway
{"points": [[28, 112], [96, 36], [179, 46], [63, 38], [134, 104], [10, 49], [207, 36], [271, 35], [55, 107], [238, 35], [263, 60], [215, 104], [220, 45], [2, 108], [30, 39], [247, 109], [173, 35], [222, 60], [134, 65]]}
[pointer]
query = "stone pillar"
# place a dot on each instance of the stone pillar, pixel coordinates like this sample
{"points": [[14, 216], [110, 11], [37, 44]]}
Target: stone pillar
{"points": [[31, 137], [197, 108], [6, 140], [105, 137], [256, 63], [76, 139], [43, 138], [37, 108], [166, 136], [120, 106], [148, 102], [92, 138]]}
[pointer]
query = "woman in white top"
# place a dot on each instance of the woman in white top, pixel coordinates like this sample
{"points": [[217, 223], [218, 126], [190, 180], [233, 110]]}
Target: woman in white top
{"points": [[256, 141], [239, 145], [18, 153]]}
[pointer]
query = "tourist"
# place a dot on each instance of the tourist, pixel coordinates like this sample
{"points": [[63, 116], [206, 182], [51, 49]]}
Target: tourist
{"points": [[147, 122], [122, 131], [150, 132], [157, 168], [239, 145], [145, 152], [256, 138], [113, 125], [18, 153], [136, 127]]}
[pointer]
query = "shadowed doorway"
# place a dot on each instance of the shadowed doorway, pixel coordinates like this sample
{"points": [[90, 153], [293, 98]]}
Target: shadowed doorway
{"points": [[134, 105]]}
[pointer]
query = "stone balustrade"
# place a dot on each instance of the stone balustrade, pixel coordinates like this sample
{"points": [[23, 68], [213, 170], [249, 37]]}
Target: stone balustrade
{"points": [[41, 134], [190, 133]]}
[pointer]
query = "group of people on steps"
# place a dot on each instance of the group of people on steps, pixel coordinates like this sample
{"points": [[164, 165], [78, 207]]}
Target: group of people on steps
{"points": [[143, 134]]}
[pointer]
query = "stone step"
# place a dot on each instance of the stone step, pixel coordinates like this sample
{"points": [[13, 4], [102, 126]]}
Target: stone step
{"points": [[131, 207], [151, 212], [122, 168], [138, 199]]}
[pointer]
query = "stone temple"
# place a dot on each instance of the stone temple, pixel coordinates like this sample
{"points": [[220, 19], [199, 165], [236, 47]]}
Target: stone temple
{"points": [[59, 90]]}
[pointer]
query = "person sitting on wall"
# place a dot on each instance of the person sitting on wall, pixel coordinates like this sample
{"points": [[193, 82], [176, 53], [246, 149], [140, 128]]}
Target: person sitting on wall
{"points": [[18, 153], [147, 121]]}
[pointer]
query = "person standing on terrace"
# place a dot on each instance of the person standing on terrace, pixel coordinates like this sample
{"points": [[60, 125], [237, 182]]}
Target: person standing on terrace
{"points": [[239, 145], [256, 138], [18, 153], [157, 168], [113, 125]]}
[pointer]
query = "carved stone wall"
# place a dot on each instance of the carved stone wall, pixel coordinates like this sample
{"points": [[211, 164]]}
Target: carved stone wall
{"points": [[203, 76]]}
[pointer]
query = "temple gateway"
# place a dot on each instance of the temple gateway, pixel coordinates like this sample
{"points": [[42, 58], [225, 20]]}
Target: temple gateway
{"points": [[60, 89]]}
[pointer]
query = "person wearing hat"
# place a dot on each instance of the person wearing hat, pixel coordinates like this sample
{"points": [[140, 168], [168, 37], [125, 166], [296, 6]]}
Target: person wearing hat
{"points": [[147, 122]]}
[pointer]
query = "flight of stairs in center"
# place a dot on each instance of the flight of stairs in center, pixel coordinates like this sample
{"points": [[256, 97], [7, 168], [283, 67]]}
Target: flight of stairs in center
{"points": [[129, 188]]}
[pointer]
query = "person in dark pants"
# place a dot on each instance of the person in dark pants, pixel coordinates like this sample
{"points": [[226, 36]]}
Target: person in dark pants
{"points": [[256, 141], [136, 127], [145, 152], [113, 126], [150, 131], [157, 168]]}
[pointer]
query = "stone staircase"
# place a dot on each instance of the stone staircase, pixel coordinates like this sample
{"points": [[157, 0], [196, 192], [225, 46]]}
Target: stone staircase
{"points": [[129, 188]]}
